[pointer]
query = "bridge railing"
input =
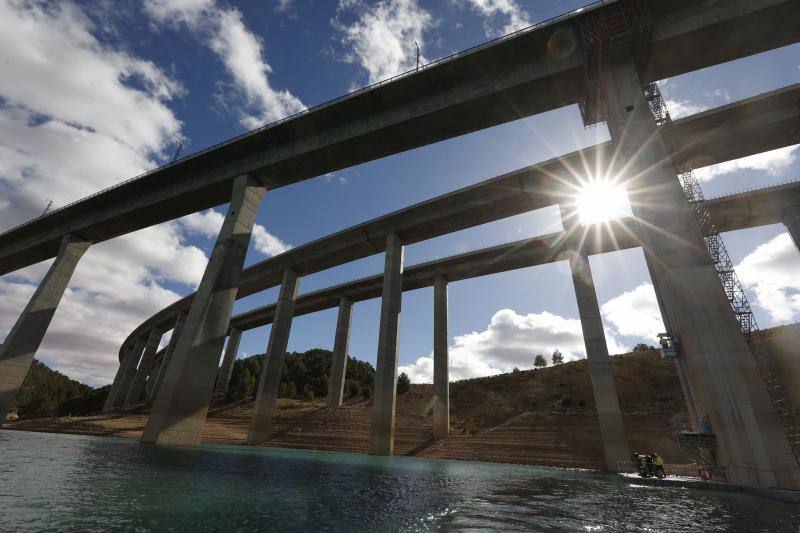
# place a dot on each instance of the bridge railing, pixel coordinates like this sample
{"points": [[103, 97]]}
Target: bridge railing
{"points": [[328, 103]]}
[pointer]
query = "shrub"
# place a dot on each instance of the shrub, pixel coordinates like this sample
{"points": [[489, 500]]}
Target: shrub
{"points": [[403, 383], [366, 392]]}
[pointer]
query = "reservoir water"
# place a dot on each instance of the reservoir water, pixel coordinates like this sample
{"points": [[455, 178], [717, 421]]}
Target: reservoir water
{"points": [[52, 482]]}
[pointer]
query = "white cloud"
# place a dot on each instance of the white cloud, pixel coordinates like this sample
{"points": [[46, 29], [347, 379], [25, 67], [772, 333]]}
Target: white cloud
{"points": [[223, 30], [514, 16], [511, 340], [683, 108], [775, 163], [381, 39], [75, 113], [209, 222], [635, 313], [770, 271]]}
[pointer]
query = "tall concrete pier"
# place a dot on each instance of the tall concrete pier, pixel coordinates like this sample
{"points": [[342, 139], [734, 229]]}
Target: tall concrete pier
{"points": [[441, 373], [25, 337], [136, 389], [270, 380], [791, 219], [605, 392], [180, 409], [730, 392], [225, 371], [173, 341], [341, 343], [383, 406], [119, 390]]}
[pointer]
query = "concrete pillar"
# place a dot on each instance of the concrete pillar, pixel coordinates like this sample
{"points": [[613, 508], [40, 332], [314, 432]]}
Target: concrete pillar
{"points": [[791, 219], [115, 385], [180, 409], [383, 405], [225, 371], [752, 446], [173, 341], [22, 342], [119, 391], [136, 390], [341, 343], [441, 371], [151, 379], [602, 376], [270, 380]]}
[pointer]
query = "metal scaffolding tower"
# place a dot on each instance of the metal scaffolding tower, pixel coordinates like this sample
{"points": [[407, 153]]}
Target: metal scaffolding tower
{"points": [[727, 275]]}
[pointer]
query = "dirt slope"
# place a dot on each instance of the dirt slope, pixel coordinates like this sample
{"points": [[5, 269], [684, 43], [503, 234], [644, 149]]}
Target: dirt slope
{"points": [[544, 417]]}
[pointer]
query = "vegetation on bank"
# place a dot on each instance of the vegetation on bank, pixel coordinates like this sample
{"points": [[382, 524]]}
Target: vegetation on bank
{"points": [[45, 391], [304, 376]]}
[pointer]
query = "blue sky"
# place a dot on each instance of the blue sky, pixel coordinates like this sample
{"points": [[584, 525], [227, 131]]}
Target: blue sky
{"points": [[93, 93]]}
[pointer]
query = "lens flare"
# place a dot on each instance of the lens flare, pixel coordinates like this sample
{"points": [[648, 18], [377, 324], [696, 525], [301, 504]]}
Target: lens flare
{"points": [[601, 201]]}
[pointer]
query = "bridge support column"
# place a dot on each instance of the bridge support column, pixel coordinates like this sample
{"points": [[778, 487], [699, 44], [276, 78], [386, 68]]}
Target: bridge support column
{"points": [[791, 219], [126, 373], [269, 383], [341, 342], [224, 374], [173, 341], [25, 337], [605, 392], [136, 389], [151, 379], [180, 409], [730, 392], [383, 405], [441, 374]]}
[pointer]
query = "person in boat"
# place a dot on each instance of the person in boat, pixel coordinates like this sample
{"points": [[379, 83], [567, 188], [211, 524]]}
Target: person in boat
{"points": [[658, 466]]}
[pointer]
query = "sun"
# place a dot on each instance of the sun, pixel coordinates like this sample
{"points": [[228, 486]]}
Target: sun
{"points": [[601, 201]]}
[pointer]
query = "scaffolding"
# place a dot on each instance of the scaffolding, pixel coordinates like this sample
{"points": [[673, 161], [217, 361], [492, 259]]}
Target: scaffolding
{"points": [[727, 275], [621, 29]]}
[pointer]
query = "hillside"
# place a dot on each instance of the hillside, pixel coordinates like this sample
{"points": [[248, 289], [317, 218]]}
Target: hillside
{"points": [[44, 390], [542, 416]]}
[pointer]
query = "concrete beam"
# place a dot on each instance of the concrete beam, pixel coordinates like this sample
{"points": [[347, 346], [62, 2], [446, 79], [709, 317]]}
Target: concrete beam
{"points": [[533, 187], [269, 383], [170, 350], [751, 441], [225, 371], [22, 342], [441, 370], [528, 73], [341, 343], [385, 395], [136, 390], [180, 409]]}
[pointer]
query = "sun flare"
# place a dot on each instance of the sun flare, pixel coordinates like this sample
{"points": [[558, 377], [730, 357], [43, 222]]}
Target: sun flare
{"points": [[601, 201]]}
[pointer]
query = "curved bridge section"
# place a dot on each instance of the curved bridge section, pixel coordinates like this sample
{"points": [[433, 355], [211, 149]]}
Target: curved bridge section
{"points": [[600, 57]]}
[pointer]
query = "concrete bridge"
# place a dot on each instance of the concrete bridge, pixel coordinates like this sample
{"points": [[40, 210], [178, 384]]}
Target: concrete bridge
{"points": [[533, 71]]}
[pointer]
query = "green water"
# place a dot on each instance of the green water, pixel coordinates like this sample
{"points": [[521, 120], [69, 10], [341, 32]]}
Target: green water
{"points": [[67, 482]]}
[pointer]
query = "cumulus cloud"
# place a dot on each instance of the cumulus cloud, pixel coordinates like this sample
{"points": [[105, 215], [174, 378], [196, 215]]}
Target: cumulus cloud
{"points": [[770, 272], [512, 14], [775, 163], [71, 107], [381, 38], [635, 313], [74, 114], [683, 108], [223, 30], [510, 340], [209, 222]]}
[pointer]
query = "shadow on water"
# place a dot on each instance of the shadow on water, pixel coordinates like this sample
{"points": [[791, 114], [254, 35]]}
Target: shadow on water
{"points": [[68, 482]]}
